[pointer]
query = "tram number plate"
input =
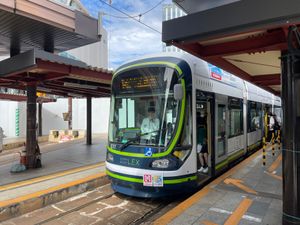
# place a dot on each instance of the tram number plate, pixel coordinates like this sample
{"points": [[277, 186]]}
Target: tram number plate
{"points": [[153, 180]]}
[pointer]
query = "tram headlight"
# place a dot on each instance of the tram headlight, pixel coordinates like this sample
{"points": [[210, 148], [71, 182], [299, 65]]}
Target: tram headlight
{"points": [[161, 163], [110, 157]]}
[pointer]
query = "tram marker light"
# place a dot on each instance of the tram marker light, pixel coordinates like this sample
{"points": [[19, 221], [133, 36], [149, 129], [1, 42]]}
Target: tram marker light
{"points": [[160, 163]]}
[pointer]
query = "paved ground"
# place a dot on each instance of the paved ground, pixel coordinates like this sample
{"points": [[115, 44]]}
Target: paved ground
{"points": [[55, 158], [247, 194]]}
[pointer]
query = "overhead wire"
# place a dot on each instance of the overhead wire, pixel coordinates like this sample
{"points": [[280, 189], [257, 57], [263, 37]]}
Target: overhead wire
{"points": [[139, 15], [132, 17]]}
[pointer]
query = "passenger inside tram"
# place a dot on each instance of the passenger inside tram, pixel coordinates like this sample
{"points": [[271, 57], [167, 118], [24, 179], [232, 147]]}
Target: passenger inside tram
{"points": [[202, 148]]}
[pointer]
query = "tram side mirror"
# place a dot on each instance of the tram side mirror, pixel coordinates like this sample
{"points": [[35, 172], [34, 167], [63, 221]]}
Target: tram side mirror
{"points": [[178, 92]]}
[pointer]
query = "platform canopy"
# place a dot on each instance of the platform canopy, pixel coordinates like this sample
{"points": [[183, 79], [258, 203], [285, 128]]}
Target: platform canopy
{"points": [[43, 24], [54, 74], [244, 37], [23, 98]]}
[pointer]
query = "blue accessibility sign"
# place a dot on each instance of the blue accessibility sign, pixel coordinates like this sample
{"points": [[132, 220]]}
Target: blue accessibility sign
{"points": [[148, 151]]}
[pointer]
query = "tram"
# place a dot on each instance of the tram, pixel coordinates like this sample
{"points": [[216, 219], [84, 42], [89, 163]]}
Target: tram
{"points": [[163, 107]]}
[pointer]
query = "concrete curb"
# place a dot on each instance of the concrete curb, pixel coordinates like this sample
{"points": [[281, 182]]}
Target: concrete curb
{"points": [[20, 143], [25, 204]]}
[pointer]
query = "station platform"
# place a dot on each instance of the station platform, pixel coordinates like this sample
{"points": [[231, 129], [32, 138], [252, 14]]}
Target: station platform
{"points": [[56, 157], [69, 169], [249, 193]]}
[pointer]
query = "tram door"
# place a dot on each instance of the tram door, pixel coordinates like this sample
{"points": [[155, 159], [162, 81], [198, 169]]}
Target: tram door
{"points": [[221, 137], [203, 113]]}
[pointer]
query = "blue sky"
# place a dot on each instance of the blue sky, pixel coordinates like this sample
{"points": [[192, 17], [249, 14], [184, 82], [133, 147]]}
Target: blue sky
{"points": [[127, 38]]}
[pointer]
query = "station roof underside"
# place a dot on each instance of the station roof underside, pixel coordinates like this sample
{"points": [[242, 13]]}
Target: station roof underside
{"points": [[245, 38], [23, 98], [42, 24], [53, 74]]}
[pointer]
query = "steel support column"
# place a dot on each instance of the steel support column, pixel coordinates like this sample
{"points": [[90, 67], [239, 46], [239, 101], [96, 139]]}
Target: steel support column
{"points": [[31, 126], [70, 106], [88, 120], [291, 134], [40, 121]]}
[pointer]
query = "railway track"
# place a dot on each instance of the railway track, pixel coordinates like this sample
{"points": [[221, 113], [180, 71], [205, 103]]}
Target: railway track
{"points": [[100, 206]]}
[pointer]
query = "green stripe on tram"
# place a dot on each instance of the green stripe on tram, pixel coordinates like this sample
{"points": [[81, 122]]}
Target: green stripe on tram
{"points": [[229, 159], [235, 155], [138, 180], [172, 65], [181, 116]]}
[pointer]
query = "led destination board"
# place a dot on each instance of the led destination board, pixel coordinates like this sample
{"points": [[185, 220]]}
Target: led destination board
{"points": [[139, 83]]}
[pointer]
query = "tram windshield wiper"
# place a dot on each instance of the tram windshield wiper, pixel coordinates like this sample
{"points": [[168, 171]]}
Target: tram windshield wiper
{"points": [[130, 142]]}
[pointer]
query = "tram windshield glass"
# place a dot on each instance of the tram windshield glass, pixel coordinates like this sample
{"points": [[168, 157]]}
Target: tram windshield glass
{"points": [[143, 108]]}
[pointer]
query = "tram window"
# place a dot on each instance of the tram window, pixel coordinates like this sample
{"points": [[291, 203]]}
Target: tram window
{"points": [[254, 116], [221, 130], [235, 117]]}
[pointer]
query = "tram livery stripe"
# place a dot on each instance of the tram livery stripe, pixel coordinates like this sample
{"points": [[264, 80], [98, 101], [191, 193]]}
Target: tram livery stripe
{"points": [[181, 117], [140, 180], [230, 159], [172, 65]]}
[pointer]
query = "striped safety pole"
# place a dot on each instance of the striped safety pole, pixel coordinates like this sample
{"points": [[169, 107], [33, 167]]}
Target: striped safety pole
{"points": [[273, 144], [278, 141], [264, 151]]}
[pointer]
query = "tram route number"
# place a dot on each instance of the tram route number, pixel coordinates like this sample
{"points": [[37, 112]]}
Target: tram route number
{"points": [[153, 180]]}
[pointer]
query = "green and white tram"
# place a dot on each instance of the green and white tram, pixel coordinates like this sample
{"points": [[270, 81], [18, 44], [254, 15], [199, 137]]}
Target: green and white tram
{"points": [[163, 107]]}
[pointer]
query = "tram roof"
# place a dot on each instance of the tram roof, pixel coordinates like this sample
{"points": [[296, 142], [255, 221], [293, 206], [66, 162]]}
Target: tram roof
{"points": [[244, 37]]}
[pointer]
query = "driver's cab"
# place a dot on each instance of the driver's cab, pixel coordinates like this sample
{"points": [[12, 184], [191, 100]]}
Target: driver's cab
{"points": [[141, 120]]}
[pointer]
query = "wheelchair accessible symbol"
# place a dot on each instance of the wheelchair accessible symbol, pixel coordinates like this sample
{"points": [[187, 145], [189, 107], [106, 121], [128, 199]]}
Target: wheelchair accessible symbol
{"points": [[148, 151]]}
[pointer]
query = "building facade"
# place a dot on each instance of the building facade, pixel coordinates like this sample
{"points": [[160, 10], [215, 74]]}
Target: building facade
{"points": [[13, 114], [171, 11]]}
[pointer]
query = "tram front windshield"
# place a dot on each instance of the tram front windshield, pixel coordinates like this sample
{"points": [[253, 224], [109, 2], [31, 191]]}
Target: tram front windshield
{"points": [[143, 108]]}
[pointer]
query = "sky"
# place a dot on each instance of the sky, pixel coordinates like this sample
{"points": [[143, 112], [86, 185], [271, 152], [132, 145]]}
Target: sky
{"points": [[127, 38]]}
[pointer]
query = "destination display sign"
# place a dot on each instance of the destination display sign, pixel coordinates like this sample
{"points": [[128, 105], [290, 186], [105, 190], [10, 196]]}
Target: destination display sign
{"points": [[139, 83]]}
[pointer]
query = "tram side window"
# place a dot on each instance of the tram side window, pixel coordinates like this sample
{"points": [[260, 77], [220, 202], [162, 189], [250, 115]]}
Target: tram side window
{"points": [[235, 117], [254, 116]]}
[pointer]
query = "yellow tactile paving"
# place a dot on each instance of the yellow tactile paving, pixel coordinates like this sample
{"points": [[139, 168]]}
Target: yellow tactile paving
{"points": [[49, 190], [48, 177], [240, 185], [237, 215], [169, 216]]}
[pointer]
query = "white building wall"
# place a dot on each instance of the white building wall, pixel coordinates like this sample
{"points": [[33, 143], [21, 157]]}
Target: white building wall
{"points": [[7, 117], [22, 118], [171, 11], [95, 55], [52, 115], [100, 114]]}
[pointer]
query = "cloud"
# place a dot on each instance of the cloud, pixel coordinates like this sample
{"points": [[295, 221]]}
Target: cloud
{"points": [[129, 39]]}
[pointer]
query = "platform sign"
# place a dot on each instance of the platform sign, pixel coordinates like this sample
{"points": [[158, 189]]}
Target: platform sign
{"points": [[153, 180]]}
